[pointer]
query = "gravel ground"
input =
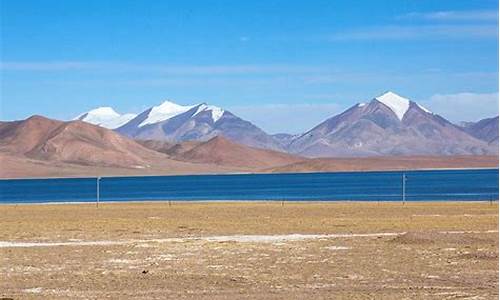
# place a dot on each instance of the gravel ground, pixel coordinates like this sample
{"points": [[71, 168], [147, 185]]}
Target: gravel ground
{"points": [[258, 250]]}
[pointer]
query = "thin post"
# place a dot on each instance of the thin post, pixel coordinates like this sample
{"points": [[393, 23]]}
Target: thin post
{"points": [[404, 188], [98, 179]]}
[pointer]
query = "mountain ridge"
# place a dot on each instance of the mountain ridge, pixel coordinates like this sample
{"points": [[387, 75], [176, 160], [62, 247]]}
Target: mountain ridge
{"points": [[41, 147], [385, 128], [201, 122], [388, 125]]}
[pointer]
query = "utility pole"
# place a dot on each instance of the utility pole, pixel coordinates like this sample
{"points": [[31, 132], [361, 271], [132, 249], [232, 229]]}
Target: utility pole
{"points": [[403, 179]]}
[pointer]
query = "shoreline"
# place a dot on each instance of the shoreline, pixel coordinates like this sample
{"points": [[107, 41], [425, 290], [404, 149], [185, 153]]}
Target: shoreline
{"points": [[246, 202], [252, 173]]}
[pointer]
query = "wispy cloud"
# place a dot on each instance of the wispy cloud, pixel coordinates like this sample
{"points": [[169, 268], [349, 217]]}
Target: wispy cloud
{"points": [[404, 32], [468, 15], [48, 66], [463, 106], [164, 69], [472, 24]]}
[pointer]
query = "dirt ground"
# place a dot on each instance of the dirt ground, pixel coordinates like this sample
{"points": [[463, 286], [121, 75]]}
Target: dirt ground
{"points": [[21, 167], [260, 250]]}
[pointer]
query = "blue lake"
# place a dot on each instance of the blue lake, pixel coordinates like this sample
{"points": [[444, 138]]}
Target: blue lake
{"points": [[368, 186]]}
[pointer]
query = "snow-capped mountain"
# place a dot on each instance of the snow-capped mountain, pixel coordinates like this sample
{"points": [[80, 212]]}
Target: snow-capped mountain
{"points": [[388, 125], [199, 122], [105, 117], [162, 112]]}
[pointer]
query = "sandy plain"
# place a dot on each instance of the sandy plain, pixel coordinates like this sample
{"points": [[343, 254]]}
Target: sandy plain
{"points": [[250, 250], [21, 167]]}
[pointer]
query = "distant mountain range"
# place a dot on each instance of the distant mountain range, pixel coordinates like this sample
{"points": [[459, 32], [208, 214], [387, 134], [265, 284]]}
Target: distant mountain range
{"points": [[388, 125], [41, 147], [174, 123]]}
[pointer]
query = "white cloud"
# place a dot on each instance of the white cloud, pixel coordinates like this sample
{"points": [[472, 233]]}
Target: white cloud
{"points": [[48, 66], [287, 118], [437, 25], [463, 106], [163, 69], [407, 32], [467, 15]]}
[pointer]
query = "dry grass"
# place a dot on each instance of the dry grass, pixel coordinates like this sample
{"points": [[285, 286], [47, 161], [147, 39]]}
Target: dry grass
{"points": [[442, 250]]}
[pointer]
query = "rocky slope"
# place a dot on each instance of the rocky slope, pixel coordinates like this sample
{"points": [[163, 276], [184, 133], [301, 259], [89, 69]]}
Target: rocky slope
{"points": [[389, 125]]}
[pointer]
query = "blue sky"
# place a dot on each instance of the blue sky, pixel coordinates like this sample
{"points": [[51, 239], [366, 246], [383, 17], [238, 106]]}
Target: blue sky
{"points": [[285, 65]]}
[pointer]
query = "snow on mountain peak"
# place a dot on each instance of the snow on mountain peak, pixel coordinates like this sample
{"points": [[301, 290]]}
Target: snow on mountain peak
{"points": [[105, 117], [164, 111], [396, 103], [103, 111], [216, 111], [424, 109]]}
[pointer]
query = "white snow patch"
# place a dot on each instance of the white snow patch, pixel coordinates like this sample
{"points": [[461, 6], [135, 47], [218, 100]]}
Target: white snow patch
{"points": [[337, 248], [36, 290], [138, 167], [100, 112], [228, 238], [396, 103], [424, 109], [120, 121], [469, 232], [122, 261], [217, 112], [105, 117], [163, 112], [361, 104], [166, 257], [262, 238]]}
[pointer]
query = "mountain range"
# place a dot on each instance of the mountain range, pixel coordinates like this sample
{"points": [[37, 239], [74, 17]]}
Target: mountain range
{"points": [[38, 146], [41, 147], [389, 132], [388, 125], [174, 123]]}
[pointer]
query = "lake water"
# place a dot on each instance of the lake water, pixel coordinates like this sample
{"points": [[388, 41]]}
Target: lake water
{"points": [[368, 186]]}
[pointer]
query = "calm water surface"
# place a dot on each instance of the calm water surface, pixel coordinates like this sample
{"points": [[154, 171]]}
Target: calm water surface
{"points": [[368, 186]]}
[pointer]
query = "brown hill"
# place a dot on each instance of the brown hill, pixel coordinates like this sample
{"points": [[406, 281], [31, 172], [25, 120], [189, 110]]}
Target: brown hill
{"points": [[72, 142], [388, 163], [169, 148], [20, 137], [41, 147], [221, 151]]}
